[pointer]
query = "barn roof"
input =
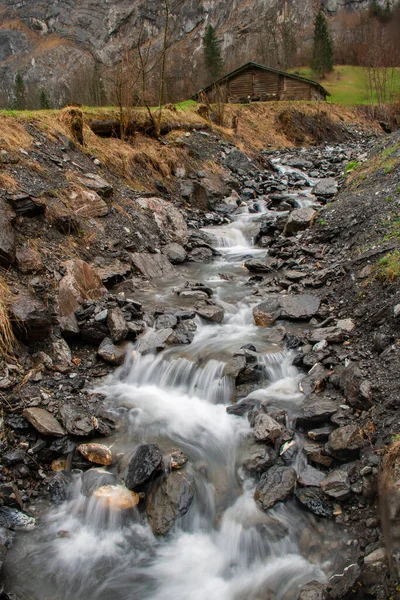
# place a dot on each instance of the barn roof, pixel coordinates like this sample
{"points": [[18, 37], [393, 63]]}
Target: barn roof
{"points": [[253, 64]]}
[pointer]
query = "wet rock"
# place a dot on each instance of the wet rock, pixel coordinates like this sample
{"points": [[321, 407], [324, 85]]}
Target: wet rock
{"points": [[310, 477], [302, 306], [87, 204], [94, 332], [32, 318], [170, 499], [29, 261], [6, 540], [266, 313], [146, 461], [298, 220], [58, 487], [80, 283], [94, 479], [238, 162], [113, 353], [7, 238], [276, 485], [177, 459], [316, 410], [201, 255], [165, 321], [96, 453], [315, 380], [210, 312], [116, 497], [336, 485], [232, 369], [152, 265], [13, 457], [117, 325], [315, 501], [175, 253], [168, 219], [342, 583], [157, 340], [96, 183], [14, 519], [346, 442], [259, 458], [241, 407], [261, 265], [321, 433], [313, 591], [288, 451], [266, 429], [43, 421], [326, 188], [76, 422]]}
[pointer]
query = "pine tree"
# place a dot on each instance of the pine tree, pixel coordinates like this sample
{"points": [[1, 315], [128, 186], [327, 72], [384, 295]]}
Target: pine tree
{"points": [[44, 103], [322, 58], [19, 93], [212, 54]]}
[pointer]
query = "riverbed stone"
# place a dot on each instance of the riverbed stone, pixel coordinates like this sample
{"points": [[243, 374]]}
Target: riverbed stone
{"points": [[259, 458], [43, 421], [210, 312], [326, 188], [157, 340], [266, 429], [310, 477], [175, 253], [314, 500], [152, 266], [261, 265], [316, 410], [302, 306], [96, 453], [116, 324], [146, 461], [170, 499], [276, 485], [298, 220], [336, 485], [113, 353], [345, 442], [266, 313], [76, 422], [93, 479]]}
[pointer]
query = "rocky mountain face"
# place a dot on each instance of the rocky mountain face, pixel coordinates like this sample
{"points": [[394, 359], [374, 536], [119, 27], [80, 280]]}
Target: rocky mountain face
{"points": [[54, 41]]}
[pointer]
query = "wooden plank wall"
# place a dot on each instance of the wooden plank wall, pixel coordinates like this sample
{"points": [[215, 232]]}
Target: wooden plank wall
{"points": [[240, 87]]}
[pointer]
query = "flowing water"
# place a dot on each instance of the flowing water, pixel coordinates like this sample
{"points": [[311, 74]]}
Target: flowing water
{"points": [[225, 547]]}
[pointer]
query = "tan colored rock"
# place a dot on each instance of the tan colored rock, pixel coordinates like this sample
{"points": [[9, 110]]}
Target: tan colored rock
{"points": [[85, 203], [116, 497], [29, 261], [43, 421], [96, 453], [80, 283], [59, 464]]}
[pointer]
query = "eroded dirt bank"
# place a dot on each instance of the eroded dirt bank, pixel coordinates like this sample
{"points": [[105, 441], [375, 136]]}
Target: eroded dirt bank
{"points": [[87, 263]]}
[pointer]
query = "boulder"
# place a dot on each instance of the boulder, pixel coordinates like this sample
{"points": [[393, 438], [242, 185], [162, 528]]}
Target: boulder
{"points": [[111, 272], [61, 355], [276, 485], [341, 585], [76, 422], [259, 458], [94, 332], [165, 321], [315, 501], [310, 477], [330, 334], [80, 283], [117, 325], [210, 312], [266, 429], [170, 499], [87, 204], [93, 479], [96, 183], [96, 453], [261, 265], [266, 313], [152, 265], [346, 442], [169, 220], [313, 591], [113, 353], [228, 205], [298, 220], [202, 254], [326, 188], [32, 319], [336, 485], [316, 453], [116, 497], [302, 306], [316, 410], [43, 421], [157, 340], [238, 162], [146, 462], [28, 261], [175, 253]]}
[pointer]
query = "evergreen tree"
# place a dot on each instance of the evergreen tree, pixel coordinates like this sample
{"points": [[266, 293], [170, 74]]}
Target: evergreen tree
{"points": [[19, 93], [44, 103], [322, 57], [212, 54]]}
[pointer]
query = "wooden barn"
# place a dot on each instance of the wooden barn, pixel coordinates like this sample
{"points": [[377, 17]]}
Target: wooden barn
{"points": [[255, 83]]}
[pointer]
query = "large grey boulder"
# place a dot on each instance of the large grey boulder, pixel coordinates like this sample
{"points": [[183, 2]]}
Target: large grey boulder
{"points": [[336, 484], [276, 485], [345, 442], [170, 499], [175, 253], [302, 306], [112, 353], [326, 188], [298, 220], [167, 218]]}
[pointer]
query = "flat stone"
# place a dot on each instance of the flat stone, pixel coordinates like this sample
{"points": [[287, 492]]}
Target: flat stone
{"points": [[113, 353], [261, 265], [276, 485], [146, 461], [43, 421], [326, 188], [330, 334], [96, 183], [298, 220], [157, 340], [266, 313], [302, 306], [310, 477], [113, 271], [210, 312], [152, 265], [77, 422], [321, 433], [316, 410], [314, 500], [336, 485], [346, 441], [116, 324], [378, 555], [87, 204]]}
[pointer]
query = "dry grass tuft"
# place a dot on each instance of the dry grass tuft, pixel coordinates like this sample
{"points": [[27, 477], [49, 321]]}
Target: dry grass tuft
{"points": [[72, 118], [7, 338], [12, 134], [8, 183]]}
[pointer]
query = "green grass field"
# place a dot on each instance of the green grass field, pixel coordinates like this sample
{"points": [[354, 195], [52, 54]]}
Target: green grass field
{"points": [[347, 85]]}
